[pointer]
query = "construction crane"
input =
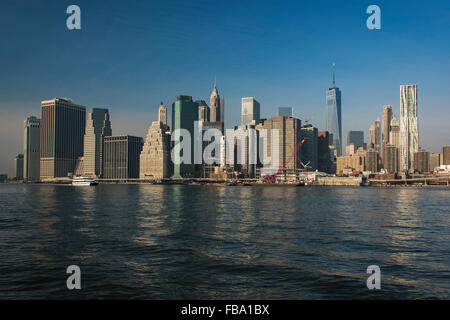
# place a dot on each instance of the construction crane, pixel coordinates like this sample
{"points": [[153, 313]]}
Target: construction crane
{"points": [[305, 168], [294, 154]]}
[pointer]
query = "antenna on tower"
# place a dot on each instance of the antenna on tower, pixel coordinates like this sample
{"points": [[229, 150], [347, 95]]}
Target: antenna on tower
{"points": [[334, 77], [215, 81]]}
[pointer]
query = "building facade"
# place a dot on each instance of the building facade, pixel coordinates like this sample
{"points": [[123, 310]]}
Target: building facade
{"points": [[372, 161], [375, 136], [289, 136], [446, 155], [98, 126], [250, 111], [409, 126], [62, 137], [390, 158], [184, 114], [356, 138], [334, 118], [386, 125], [121, 157], [422, 161], [394, 133], [285, 111], [310, 147], [155, 156], [435, 160], [31, 148], [324, 152], [216, 107], [162, 114], [18, 167]]}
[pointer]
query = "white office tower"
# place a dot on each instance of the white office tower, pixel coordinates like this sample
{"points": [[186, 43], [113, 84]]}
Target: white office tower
{"points": [[250, 111]]}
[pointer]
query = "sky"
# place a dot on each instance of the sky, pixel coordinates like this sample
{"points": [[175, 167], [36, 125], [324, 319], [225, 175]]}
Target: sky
{"points": [[131, 55]]}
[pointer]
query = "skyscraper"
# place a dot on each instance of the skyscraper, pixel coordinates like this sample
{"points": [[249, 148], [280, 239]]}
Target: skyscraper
{"points": [[155, 155], [375, 136], [18, 167], [435, 160], [98, 126], [184, 113], [372, 161], [324, 152], [214, 106], [386, 125], [310, 147], [285, 111], [390, 158], [31, 148], [356, 138], [162, 114], [446, 155], [203, 111], [289, 131], [334, 119], [422, 161], [62, 137], [122, 156], [250, 111], [409, 127], [394, 134]]}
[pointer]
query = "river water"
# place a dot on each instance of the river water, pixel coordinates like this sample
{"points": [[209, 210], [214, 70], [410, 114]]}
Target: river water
{"points": [[223, 242]]}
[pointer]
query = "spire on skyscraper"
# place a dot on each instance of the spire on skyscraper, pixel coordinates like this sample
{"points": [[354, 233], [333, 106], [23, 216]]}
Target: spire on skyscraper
{"points": [[334, 77]]}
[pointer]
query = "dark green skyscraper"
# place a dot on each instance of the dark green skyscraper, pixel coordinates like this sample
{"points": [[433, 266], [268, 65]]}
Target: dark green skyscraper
{"points": [[184, 114]]}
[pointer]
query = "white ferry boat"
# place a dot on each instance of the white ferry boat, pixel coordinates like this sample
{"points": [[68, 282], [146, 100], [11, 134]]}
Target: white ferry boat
{"points": [[84, 181]]}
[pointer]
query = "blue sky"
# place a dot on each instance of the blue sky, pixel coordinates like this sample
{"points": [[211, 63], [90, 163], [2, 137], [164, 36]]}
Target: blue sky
{"points": [[130, 55]]}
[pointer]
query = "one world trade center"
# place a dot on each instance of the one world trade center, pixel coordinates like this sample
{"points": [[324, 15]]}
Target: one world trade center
{"points": [[334, 119]]}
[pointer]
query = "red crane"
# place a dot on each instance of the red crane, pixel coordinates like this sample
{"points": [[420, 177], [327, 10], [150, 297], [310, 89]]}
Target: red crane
{"points": [[294, 154]]}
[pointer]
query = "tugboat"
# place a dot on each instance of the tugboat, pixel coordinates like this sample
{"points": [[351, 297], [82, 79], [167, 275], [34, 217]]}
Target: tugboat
{"points": [[84, 181]]}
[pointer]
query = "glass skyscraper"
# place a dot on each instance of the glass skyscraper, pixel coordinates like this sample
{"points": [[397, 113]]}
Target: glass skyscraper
{"points": [[334, 119]]}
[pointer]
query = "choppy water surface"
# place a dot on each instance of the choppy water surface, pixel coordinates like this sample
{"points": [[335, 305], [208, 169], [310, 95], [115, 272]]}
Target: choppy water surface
{"points": [[210, 242]]}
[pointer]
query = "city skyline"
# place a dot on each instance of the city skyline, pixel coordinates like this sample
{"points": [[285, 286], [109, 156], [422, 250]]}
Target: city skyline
{"points": [[131, 82]]}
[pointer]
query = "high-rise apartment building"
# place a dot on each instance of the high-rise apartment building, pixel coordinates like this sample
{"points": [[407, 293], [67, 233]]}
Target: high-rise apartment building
{"points": [[409, 127], [446, 155], [356, 138], [289, 134], [121, 157], [334, 118], [98, 126], [372, 161], [250, 111], [310, 147], [184, 113], [435, 160], [155, 156], [390, 158], [422, 161], [31, 148], [62, 137], [18, 167]]}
